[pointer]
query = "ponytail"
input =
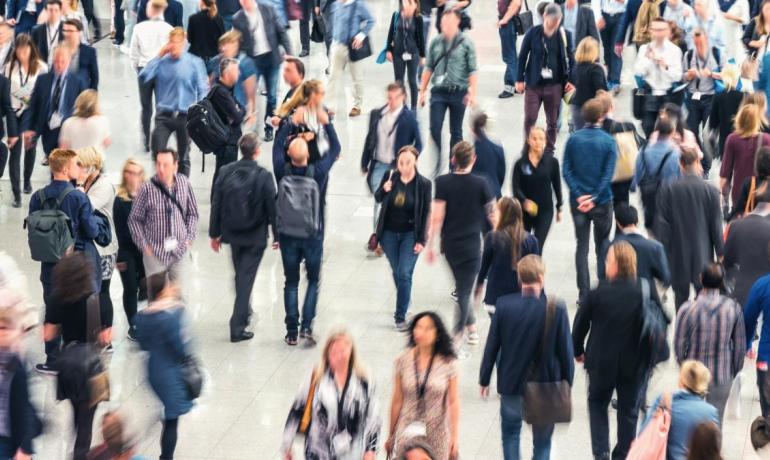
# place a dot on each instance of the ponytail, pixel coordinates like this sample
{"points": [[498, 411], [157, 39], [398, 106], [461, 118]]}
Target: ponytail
{"points": [[300, 97]]}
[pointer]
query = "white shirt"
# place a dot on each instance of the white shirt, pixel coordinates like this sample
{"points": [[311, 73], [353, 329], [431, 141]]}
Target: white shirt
{"points": [[52, 36], [77, 133], [386, 135], [4, 49], [147, 40], [659, 78], [22, 85], [257, 27], [31, 6]]}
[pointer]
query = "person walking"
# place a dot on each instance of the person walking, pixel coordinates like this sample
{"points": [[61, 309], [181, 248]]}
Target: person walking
{"points": [[450, 67], [180, 81], [710, 330], [609, 16], [689, 225], [159, 330], [579, 21], [129, 261], [701, 65], [725, 107], [589, 78], [462, 204], [402, 224], [164, 242], [429, 409], [245, 90], [651, 260], [545, 72], [628, 140], [589, 164], [352, 23], [519, 352], [405, 46], [48, 35], [613, 357], [83, 61], [751, 186], [305, 115], [230, 112], [87, 127], [242, 223], [506, 11], [536, 181], [204, 29], [338, 388], [7, 113], [490, 156]]}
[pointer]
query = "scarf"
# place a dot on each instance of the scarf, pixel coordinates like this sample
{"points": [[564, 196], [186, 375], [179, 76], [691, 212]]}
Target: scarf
{"points": [[649, 10]]}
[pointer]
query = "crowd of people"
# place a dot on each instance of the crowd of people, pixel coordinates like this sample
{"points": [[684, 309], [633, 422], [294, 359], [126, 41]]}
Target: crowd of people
{"points": [[700, 79]]}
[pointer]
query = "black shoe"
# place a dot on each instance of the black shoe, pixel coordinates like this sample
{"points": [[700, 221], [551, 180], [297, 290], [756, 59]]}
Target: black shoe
{"points": [[268, 135], [46, 369], [16, 202], [505, 94], [304, 53], [291, 340], [131, 333], [307, 336], [146, 148], [27, 188], [245, 335]]}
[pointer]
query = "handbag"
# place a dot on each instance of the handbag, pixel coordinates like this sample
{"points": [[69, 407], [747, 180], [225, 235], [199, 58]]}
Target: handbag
{"points": [[318, 30], [383, 56], [548, 402], [523, 20], [652, 442], [357, 54], [307, 414], [192, 376], [628, 150]]}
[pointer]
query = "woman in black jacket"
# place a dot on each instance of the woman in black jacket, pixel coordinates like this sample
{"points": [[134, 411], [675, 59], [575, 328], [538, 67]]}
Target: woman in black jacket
{"points": [[406, 45], [725, 106], [402, 228], [204, 29], [129, 261], [589, 78], [757, 31]]}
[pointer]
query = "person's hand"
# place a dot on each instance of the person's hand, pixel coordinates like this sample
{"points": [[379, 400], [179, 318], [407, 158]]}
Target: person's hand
{"points": [[501, 23], [477, 292], [586, 206], [661, 62], [364, 171], [12, 141], [275, 121], [558, 216], [431, 256], [619, 50], [569, 87], [755, 44], [148, 251], [389, 446], [369, 455], [164, 50], [691, 74], [470, 99], [357, 43], [580, 359], [252, 119], [28, 136], [389, 56], [520, 85], [418, 248], [287, 455], [421, 99], [276, 245], [121, 266], [308, 136], [387, 186], [706, 73], [215, 244], [21, 455], [484, 392], [11, 22], [422, 61], [529, 206], [317, 10], [104, 336], [583, 198], [601, 24], [454, 449]]}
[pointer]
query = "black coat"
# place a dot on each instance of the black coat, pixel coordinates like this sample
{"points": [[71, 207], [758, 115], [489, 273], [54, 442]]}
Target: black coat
{"points": [[422, 201], [39, 35], [723, 111], [276, 35], [36, 116], [407, 133], [419, 39], [651, 261], [203, 34], [6, 110], [228, 109], [746, 253], [589, 78]]}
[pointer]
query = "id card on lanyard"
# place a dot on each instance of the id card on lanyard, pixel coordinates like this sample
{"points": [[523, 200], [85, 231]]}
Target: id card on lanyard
{"points": [[342, 440], [418, 428]]}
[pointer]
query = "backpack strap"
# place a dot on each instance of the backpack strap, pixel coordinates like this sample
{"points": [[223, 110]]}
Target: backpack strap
{"points": [[59, 199], [310, 171]]}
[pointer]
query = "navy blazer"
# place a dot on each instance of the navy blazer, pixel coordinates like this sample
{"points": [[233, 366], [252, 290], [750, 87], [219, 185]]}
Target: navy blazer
{"points": [[407, 133], [585, 26], [531, 57], [173, 14], [6, 110], [39, 35], [276, 35], [35, 118], [490, 164], [651, 260], [88, 66], [629, 19], [14, 8]]}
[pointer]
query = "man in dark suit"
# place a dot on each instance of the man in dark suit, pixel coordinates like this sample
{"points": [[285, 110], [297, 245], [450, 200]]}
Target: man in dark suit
{"points": [[83, 56], [172, 15], [266, 52], [22, 14], [230, 112], [689, 224], [53, 101], [46, 36], [579, 21], [651, 261], [13, 136]]}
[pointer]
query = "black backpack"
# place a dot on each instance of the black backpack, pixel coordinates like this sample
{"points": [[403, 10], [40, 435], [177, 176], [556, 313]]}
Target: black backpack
{"points": [[242, 208], [205, 127]]}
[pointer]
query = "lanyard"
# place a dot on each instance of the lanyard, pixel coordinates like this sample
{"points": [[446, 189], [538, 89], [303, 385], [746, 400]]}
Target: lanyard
{"points": [[341, 401], [421, 388], [50, 38], [698, 67], [22, 80]]}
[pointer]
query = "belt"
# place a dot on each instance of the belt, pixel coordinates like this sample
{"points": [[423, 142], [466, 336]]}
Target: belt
{"points": [[174, 113], [450, 89], [612, 15]]}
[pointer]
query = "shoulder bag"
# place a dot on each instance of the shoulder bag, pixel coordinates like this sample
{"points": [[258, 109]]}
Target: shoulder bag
{"points": [[383, 56], [307, 414], [168, 195], [357, 54], [652, 442], [546, 402], [523, 20]]}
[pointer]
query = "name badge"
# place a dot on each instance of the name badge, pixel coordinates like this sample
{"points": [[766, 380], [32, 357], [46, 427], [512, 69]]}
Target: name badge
{"points": [[406, 56], [341, 443], [55, 121], [438, 79], [546, 73], [170, 244], [415, 430], [696, 96]]}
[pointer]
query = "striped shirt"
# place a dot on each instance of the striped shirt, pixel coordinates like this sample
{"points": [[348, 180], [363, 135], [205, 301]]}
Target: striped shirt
{"points": [[710, 329], [155, 219]]}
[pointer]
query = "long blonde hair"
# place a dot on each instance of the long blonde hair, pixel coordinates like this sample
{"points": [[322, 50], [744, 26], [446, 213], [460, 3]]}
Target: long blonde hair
{"points": [[122, 192], [87, 104], [300, 97], [354, 365]]}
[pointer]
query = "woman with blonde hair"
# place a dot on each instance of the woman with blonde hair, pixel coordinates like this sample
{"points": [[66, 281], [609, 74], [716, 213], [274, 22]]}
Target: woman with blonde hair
{"points": [[129, 261], [726, 105], [335, 407], [589, 78], [687, 406], [741, 147], [87, 127], [306, 117]]}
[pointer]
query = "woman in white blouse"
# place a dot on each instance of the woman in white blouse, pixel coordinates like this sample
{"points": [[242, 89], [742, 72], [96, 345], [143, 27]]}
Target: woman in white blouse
{"points": [[23, 68], [87, 127], [735, 15]]}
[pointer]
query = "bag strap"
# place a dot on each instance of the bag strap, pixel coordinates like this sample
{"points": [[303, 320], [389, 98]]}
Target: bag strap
{"points": [[662, 163], [752, 193], [307, 413], [93, 318], [550, 312], [449, 51], [168, 195]]}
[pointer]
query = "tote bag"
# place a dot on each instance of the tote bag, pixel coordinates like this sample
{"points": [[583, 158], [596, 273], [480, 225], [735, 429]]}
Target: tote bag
{"points": [[652, 442]]}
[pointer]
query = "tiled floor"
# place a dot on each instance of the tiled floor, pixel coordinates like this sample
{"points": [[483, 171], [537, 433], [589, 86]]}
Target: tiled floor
{"points": [[251, 384]]}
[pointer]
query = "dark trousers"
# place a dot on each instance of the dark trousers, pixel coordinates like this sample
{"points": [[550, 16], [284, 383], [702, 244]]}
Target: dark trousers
{"points": [[599, 395], [549, 96], [410, 68], [601, 217], [167, 123], [168, 438], [120, 24], [50, 139], [246, 261], [426, 19], [652, 105], [105, 304], [540, 225], [621, 192], [304, 24], [464, 272], [267, 70], [508, 49], [3, 158], [293, 252], [613, 62], [441, 101], [130, 276], [88, 10], [763, 383], [697, 114], [145, 100], [14, 164], [83, 417], [328, 19]]}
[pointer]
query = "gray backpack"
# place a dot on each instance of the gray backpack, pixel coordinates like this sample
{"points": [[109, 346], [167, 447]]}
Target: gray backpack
{"points": [[49, 230], [298, 209]]}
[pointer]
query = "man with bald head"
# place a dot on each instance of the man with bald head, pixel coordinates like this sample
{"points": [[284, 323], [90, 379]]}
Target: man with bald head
{"points": [[300, 225]]}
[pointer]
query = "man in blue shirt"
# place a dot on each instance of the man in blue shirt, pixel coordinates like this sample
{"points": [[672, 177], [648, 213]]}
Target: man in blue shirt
{"points": [[180, 81], [759, 302], [589, 163], [84, 225]]}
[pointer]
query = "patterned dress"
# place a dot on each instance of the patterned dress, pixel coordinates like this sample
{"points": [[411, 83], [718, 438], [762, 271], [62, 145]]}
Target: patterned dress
{"points": [[436, 401]]}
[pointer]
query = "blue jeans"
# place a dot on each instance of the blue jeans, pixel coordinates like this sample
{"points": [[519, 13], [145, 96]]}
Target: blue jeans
{"points": [[379, 169], [440, 101], [293, 252], [508, 42], [613, 62], [601, 217], [510, 424], [269, 71], [399, 249]]}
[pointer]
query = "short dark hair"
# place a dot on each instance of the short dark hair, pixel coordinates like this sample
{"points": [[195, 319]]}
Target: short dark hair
{"points": [[248, 144], [156, 283], [53, 2], [165, 151], [664, 127], [626, 215], [763, 162], [396, 86], [74, 23], [712, 276], [688, 156], [462, 154], [298, 64], [592, 111], [225, 63], [479, 123]]}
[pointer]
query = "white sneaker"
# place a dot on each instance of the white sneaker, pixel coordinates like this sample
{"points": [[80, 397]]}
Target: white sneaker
{"points": [[472, 338]]}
